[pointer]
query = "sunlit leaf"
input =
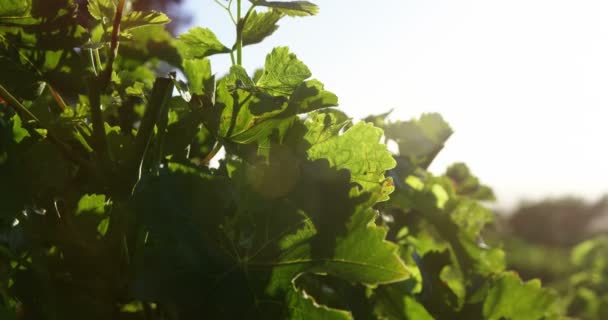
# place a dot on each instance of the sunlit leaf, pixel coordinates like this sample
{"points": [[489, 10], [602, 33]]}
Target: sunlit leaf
{"points": [[311, 95], [283, 72], [102, 9], [137, 19], [260, 25], [290, 8], [197, 71], [360, 151], [91, 203], [199, 43]]}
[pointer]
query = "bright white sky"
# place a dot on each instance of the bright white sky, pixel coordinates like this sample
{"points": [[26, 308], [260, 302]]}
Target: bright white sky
{"points": [[523, 83]]}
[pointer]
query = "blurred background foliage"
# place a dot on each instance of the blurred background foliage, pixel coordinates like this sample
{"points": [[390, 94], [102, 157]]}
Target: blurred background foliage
{"points": [[563, 242]]}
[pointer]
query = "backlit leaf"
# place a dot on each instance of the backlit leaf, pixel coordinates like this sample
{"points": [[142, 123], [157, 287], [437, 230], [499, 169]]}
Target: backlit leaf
{"points": [[283, 72], [291, 8], [360, 151], [260, 25], [137, 19], [199, 43]]}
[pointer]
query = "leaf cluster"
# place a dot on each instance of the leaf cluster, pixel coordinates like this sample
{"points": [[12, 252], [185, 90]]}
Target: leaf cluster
{"points": [[109, 208]]}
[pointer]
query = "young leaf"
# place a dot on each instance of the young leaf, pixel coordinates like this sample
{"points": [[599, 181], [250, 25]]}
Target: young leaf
{"points": [[197, 71], [509, 298], [260, 25], [91, 203], [360, 151], [102, 9], [198, 43], [290, 8], [239, 78], [283, 72], [137, 19], [19, 133]]}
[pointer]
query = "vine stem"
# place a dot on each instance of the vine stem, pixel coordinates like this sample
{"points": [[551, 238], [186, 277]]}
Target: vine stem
{"points": [[16, 104], [97, 86], [113, 43], [239, 34]]}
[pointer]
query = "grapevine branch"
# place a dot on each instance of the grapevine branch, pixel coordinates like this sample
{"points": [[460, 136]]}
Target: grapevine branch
{"points": [[97, 87]]}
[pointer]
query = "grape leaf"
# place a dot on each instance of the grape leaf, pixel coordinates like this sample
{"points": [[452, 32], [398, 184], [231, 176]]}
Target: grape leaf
{"points": [[322, 127], [303, 307], [102, 9], [19, 133], [509, 298], [471, 216], [283, 72], [177, 208], [290, 8], [197, 71], [198, 43], [359, 150], [397, 305], [260, 25], [91, 203], [14, 8], [467, 184], [311, 95], [420, 140], [137, 19]]}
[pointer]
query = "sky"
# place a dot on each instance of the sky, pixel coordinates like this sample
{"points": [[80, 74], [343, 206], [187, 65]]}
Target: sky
{"points": [[523, 83]]}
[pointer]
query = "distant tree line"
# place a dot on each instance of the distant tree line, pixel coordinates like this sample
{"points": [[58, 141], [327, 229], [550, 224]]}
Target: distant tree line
{"points": [[562, 221]]}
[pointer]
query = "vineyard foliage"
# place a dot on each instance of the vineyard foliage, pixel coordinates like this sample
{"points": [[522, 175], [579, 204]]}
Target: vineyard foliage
{"points": [[109, 208]]}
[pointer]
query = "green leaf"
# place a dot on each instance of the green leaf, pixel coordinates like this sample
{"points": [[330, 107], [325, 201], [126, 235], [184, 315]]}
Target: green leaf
{"points": [[14, 8], [246, 116], [290, 8], [91, 203], [260, 25], [103, 226], [102, 10], [365, 256], [471, 216], [238, 78], [19, 133], [360, 151], [322, 127], [199, 43], [137, 19], [304, 307], [283, 72], [467, 184], [197, 71], [311, 95], [509, 298], [335, 234], [420, 140], [396, 302]]}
